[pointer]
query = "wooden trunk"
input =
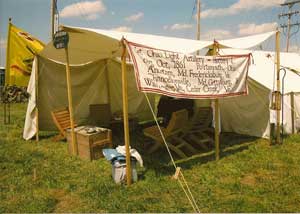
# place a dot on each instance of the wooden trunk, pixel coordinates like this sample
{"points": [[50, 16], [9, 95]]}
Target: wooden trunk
{"points": [[90, 145]]}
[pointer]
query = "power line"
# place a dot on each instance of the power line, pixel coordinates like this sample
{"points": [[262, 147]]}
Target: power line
{"points": [[289, 25]]}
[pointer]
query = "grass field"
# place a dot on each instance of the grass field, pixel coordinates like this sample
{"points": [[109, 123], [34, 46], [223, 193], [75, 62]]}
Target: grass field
{"points": [[251, 176]]}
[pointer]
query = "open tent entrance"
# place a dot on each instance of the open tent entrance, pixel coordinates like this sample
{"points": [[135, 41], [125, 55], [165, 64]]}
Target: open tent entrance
{"points": [[96, 79], [167, 105]]}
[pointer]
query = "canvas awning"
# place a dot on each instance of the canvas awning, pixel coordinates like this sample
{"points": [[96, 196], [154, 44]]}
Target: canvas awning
{"points": [[88, 44], [246, 42]]}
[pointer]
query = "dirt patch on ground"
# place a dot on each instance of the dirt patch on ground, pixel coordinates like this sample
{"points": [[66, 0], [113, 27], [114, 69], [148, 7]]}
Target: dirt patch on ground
{"points": [[66, 202], [249, 180], [255, 178]]}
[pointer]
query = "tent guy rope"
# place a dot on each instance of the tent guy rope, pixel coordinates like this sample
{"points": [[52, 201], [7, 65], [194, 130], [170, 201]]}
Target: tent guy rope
{"points": [[187, 192]]}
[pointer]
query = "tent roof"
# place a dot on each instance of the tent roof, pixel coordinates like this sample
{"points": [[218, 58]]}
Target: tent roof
{"points": [[246, 42], [263, 69], [87, 44]]}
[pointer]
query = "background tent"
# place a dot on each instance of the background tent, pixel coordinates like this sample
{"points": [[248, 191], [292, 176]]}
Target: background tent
{"points": [[95, 72], [251, 114]]}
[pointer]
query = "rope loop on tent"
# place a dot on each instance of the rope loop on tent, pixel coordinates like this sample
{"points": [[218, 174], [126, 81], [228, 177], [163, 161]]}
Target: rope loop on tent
{"points": [[182, 183]]}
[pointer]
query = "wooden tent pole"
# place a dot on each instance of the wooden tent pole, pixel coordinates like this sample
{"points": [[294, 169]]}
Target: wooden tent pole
{"points": [[36, 98], [217, 129], [125, 114], [278, 85], [70, 100], [293, 112], [217, 117]]}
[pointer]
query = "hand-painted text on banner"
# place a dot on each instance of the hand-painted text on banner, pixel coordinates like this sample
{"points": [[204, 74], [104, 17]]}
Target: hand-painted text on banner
{"points": [[189, 76]]}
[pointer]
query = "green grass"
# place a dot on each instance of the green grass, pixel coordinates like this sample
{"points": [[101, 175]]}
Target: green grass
{"points": [[251, 176]]}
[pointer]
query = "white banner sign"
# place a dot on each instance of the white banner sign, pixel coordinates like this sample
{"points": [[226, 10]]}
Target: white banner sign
{"points": [[189, 76]]}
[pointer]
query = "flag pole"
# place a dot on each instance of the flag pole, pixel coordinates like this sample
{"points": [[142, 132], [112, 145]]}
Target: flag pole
{"points": [[7, 70], [7, 76], [125, 113]]}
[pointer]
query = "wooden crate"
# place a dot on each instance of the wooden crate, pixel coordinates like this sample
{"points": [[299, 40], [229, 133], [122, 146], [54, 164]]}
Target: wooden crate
{"points": [[90, 145]]}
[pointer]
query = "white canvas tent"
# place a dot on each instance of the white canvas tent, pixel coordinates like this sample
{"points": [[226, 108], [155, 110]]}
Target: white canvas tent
{"points": [[95, 76], [254, 109]]}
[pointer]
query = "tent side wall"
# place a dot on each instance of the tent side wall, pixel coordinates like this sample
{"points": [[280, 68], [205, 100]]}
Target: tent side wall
{"points": [[89, 86], [249, 114], [297, 111], [287, 116]]}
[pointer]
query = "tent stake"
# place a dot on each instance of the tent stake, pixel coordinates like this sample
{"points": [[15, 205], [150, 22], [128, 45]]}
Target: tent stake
{"points": [[278, 85], [125, 114], [70, 100]]}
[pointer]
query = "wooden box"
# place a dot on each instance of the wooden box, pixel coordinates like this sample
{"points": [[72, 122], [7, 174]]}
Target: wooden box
{"points": [[90, 145]]}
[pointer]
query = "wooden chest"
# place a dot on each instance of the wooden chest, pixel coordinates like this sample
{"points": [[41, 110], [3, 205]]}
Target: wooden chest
{"points": [[90, 144]]}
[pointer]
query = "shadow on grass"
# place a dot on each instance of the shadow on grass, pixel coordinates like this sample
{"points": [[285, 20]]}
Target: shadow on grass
{"points": [[48, 135], [160, 162]]}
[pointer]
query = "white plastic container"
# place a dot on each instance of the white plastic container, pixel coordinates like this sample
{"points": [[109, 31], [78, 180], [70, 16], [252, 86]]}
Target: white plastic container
{"points": [[119, 171]]}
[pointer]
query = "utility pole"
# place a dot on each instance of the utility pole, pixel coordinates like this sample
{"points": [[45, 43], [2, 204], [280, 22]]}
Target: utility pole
{"points": [[54, 18], [289, 14], [198, 19]]}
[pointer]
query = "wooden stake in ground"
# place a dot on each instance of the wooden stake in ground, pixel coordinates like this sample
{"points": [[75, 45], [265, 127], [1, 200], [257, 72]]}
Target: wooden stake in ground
{"points": [[125, 114]]}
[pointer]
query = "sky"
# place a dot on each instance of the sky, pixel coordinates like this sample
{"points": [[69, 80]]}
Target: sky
{"points": [[220, 19]]}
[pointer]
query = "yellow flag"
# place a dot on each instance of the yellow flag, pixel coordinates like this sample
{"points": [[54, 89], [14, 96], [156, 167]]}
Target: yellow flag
{"points": [[21, 48]]}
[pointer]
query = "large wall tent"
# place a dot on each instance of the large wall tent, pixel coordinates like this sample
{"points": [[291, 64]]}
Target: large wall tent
{"points": [[96, 78], [251, 114]]}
